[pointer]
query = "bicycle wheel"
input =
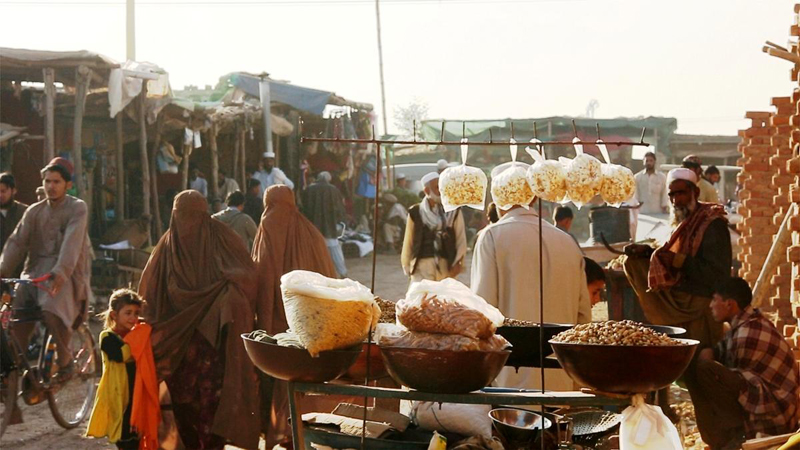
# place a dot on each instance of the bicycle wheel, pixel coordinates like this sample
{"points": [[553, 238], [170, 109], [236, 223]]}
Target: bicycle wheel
{"points": [[8, 398], [70, 401]]}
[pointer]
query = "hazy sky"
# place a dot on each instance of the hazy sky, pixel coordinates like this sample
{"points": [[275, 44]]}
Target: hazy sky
{"points": [[699, 61]]}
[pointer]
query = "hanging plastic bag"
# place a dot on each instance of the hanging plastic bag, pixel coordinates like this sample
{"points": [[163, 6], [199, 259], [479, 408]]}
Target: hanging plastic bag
{"points": [[584, 177], [510, 183], [447, 307], [547, 179], [463, 185], [619, 184], [646, 427]]}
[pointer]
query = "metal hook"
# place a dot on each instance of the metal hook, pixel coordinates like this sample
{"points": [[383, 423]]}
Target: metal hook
{"points": [[597, 127], [441, 139], [415, 130], [463, 130], [512, 130], [574, 129], [534, 130], [641, 139]]}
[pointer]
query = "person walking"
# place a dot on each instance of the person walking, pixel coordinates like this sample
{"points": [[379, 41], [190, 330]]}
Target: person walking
{"points": [[651, 187], [235, 218], [324, 206]]}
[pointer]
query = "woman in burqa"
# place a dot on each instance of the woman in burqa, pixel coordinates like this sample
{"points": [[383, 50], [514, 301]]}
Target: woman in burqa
{"points": [[199, 284], [286, 240]]}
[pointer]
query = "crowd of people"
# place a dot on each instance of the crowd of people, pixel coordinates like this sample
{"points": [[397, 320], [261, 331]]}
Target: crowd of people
{"points": [[214, 275]]}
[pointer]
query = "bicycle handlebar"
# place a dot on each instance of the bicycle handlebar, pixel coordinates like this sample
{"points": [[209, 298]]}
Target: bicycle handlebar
{"points": [[27, 281]]}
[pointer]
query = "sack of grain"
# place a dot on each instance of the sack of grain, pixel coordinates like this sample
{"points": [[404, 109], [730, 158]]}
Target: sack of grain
{"points": [[326, 313]]}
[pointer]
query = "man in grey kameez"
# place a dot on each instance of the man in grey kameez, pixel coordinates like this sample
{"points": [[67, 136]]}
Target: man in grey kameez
{"points": [[53, 236]]}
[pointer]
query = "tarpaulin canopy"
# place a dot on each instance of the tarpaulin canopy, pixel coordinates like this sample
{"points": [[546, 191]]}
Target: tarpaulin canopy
{"points": [[298, 97]]}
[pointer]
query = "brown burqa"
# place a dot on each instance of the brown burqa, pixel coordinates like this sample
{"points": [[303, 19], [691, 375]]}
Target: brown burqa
{"points": [[286, 241], [200, 279]]}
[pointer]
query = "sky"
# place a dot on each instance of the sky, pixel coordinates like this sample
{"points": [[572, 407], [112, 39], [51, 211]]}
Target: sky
{"points": [[698, 61]]}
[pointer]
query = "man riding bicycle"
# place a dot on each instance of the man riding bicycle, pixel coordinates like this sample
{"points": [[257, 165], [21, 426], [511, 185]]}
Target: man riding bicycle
{"points": [[53, 236]]}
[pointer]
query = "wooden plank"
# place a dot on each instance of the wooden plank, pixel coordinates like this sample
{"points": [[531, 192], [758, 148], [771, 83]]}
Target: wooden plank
{"points": [[49, 76], [119, 204], [143, 157], [243, 158], [236, 153], [214, 179], [83, 76], [154, 176], [187, 153]]}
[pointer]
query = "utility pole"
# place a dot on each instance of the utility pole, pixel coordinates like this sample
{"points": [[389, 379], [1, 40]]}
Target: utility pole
{"points": [[130, 30], [380, 65]]}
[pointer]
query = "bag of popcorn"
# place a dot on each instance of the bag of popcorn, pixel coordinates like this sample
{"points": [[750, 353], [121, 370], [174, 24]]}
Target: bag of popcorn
{"points": [[619, 183], [463, 185], [584, 177], [510, 183], [547, 179]]}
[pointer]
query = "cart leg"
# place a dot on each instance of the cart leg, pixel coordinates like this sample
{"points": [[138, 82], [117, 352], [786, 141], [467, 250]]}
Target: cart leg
{"points": [[297, 422]]}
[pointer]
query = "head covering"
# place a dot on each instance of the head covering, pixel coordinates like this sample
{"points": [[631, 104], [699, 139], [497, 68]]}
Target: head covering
{"points": [[63, 162], [400, 176], [441, 164], [286, 240], [200, 279], [681, 174], [324, 176], [389, 198], [429, 177], [269, 155], [692, 158]]}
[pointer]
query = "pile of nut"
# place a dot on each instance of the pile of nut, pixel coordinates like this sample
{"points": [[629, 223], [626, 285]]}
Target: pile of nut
{"points": [[462, 186], [611, 332], [387, 310]]}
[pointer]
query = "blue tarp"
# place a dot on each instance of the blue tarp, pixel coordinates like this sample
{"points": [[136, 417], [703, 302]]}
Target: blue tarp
{"points": [[305, 99]]}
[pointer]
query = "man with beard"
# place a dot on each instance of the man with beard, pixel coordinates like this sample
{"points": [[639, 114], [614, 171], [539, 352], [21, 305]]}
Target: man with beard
{"points": [[267, 174], [675, 282], [435, 242], [11, 211]]}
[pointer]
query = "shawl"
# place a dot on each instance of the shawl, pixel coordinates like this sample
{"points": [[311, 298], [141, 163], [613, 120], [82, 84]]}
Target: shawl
{"points": [[145, 409], [200, 278], [432, 219], [685, 240]]}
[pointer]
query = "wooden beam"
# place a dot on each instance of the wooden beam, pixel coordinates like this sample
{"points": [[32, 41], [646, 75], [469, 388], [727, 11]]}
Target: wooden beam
{"points": [[119, 204], [187, 153], [83, 77], [145, 169], [212, 137], [49, 114], [236, 153], [243, 158], [791, 57], [154, 175]]}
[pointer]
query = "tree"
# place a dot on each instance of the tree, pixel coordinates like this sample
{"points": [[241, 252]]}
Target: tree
{"points": [[404, 116]]}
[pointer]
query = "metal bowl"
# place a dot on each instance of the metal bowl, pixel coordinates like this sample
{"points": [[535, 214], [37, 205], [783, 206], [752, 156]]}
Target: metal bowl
{"points": [[673, 332], [517, 426], [296, 364], [443, 371], [624, 369], [526, 347]]}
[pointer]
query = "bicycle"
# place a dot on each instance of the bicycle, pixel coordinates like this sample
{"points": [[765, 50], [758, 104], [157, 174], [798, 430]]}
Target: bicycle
{"points": [[70, 399]]}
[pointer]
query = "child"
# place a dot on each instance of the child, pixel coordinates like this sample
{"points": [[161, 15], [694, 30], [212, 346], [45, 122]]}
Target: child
{"points": [[111, 414]]}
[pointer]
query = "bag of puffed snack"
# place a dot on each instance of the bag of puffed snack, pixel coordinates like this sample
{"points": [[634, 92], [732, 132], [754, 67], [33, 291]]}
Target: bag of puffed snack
{"points": [[447, 307], [547, 179], [326, 313], [510, 183], [584, 177], [463, 185], [619, 183]]}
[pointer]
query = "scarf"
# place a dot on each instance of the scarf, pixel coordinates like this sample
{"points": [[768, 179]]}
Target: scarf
{"points": [[432, 219], [146, 409], [686, 240]]}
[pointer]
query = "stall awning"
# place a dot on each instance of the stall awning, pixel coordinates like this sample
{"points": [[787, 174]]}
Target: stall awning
{"points": [[298, 97]]}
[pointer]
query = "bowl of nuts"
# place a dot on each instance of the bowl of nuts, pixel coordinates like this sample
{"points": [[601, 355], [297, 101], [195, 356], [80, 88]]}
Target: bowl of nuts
{"points": [[623, 357]]}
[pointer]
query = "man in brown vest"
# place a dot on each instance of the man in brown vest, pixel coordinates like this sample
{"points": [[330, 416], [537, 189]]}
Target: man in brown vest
{"points": [[435, 242]]}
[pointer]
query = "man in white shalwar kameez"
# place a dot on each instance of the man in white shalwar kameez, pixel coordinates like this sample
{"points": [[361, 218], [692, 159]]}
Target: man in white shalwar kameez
{"points": [[505, 272]]}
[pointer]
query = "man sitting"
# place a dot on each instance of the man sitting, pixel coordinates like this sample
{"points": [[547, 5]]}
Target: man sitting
{"points": [[748, 383]]}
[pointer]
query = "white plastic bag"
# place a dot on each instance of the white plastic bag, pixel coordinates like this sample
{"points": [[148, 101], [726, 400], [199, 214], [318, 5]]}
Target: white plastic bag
{"points": [[646, 427], [619, 184], [447, 307], [466, 420], [463, 185], [547, 179], [584, 177], [510, 183]]}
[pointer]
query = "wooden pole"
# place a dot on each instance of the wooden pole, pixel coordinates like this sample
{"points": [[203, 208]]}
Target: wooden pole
{"points": [[49, 107], [242, 159], [143, 157], [236, 153], [214, 161], [119, 204], [83, 77], [154, 175], [187, 152]]}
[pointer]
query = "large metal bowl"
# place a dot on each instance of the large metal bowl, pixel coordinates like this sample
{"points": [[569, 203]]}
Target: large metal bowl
{"points": [[296, 364], [624, 369], [443, 371], [518, 426], [526, 347]]}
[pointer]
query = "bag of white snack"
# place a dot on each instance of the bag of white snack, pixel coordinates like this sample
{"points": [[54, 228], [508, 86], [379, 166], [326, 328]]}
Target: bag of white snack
{"points": [[326, 313], [447, 307], [619, 183], [463, 185], [547, 178], [584, 177], [510, 183], [646, 427]]}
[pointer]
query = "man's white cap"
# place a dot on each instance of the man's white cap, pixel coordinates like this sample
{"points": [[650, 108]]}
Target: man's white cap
{"points": [[441, 164], [400, 176], [429, 177], [269, 155], [681, 174]]}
